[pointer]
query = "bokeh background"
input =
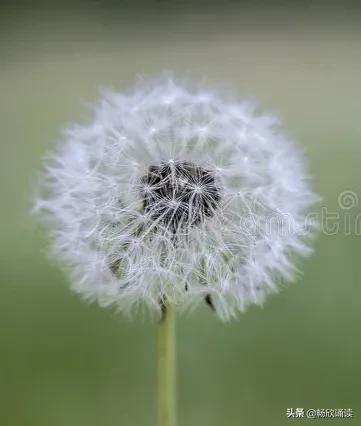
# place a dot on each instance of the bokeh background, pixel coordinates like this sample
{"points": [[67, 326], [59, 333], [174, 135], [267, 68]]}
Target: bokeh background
{"points": [[63, 362]]}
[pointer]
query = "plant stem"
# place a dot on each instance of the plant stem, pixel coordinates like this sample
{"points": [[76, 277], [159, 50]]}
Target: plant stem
{"points": [[166, 368]]}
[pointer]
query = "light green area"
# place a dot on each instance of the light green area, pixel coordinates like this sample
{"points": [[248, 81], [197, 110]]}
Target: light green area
{"points": [[65, 363], [166, 368]]}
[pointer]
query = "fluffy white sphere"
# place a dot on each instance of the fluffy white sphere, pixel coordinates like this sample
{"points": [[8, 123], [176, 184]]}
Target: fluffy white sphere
{"points": [[175, 192]]}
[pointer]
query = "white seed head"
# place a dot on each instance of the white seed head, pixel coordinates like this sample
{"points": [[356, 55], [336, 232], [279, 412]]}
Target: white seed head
{"points": [[174, 192]]}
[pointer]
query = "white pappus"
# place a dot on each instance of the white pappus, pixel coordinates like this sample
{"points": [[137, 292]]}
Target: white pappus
{"points": [[176, 192]]}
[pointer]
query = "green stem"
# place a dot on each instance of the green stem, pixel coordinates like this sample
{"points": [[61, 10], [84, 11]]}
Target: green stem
{"points": [[166, 368]]}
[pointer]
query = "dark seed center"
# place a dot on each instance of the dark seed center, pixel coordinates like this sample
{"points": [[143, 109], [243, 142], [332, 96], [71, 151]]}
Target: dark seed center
{"points": [[177, 195]]}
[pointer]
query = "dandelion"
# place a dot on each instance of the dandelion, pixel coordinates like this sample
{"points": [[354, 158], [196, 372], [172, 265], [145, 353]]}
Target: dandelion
{"points": [[175, 195]]}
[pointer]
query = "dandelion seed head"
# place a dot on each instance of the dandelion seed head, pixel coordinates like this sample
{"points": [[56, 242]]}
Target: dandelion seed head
{"points": [[176, 191]]}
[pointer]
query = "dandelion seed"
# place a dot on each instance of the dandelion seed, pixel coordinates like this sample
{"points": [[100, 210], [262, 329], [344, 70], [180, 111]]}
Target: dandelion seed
{"points": [[150, 202]]}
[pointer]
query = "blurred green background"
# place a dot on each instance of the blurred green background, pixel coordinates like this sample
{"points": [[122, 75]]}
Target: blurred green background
{"points": [[63, 362]]}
